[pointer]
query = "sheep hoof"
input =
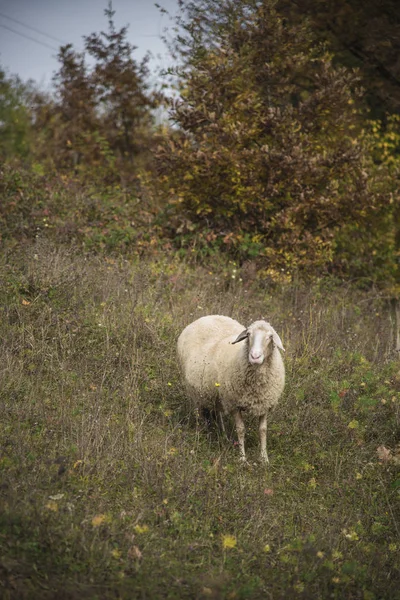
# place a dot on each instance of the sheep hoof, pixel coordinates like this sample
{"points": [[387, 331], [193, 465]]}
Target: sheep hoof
{"points": [[264, 459]]}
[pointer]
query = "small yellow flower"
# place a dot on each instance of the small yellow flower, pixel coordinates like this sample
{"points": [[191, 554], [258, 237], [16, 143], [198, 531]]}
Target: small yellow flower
{"points": [[267, 548], [217, 384], [228, 541], [169, 384], [141, 528], [115, 553], [353, 424], [392, 547], [52, 506], [320, 554], [312, 483], [359, 476]]}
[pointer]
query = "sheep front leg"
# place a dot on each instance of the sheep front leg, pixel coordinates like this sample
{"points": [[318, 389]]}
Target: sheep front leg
{"points": [[263, 438], [240, 428]]}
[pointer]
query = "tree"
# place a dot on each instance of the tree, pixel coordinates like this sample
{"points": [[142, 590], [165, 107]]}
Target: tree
{"points": [[267, 159], [15, 118], [121, 88], [363, 34], [100, 120], [74, 122]]}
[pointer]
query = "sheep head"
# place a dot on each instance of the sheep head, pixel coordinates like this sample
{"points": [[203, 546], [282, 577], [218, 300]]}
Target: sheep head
{"points": [[262, 338]]}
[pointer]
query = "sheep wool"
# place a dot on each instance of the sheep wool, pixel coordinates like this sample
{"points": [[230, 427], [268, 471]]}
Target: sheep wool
{"points": [[228, 367]]}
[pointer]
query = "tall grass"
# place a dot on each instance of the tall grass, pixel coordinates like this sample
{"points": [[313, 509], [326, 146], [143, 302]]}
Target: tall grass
{"points": [[109, 489]]}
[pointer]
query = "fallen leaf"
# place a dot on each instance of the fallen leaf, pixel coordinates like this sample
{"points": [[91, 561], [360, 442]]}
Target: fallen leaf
{"points": [[384, 454], [268, 492], [99, 520], [134, 553], [207, 591], [56, 497]]}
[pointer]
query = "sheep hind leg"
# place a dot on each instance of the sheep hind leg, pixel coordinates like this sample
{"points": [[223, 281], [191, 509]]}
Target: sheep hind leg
{"points": [[240, 428], [263, 438], [222, 424], [220, 419]]}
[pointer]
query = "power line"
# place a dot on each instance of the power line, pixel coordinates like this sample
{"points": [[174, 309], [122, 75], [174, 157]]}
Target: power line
{"points": [[51, 37], [28, 37]]}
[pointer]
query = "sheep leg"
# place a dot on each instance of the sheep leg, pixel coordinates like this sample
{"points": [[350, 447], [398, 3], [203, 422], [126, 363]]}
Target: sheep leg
{"points": [[240, 428], [263, 438], [220, 418], [222, 424]]}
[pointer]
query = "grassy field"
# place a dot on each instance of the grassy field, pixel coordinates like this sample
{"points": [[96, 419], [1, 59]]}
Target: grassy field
{"points": [[109, 489]]}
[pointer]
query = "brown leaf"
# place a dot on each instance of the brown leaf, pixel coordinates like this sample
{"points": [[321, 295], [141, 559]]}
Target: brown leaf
{"points": [[384, 454], [134, 553]]}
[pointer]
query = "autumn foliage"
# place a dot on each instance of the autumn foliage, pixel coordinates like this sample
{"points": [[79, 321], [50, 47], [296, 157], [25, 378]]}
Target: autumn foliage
{"points": [[269, 160], [274, 151]]}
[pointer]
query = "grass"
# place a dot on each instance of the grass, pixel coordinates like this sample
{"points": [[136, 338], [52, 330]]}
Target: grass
{"points": [[110, 490]]}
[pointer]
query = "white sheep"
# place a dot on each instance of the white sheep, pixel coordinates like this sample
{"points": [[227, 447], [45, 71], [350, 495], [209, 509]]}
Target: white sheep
{"points": [[220, 373]]}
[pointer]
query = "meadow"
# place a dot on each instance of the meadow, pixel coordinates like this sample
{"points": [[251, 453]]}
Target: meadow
{"points": [[110, 488]]}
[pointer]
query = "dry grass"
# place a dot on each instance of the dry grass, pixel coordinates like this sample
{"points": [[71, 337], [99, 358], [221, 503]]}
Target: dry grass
{"points": [[109, 490]]}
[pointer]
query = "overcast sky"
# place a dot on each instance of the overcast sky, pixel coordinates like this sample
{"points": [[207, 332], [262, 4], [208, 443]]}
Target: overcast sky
{"points": [[31, 31]]}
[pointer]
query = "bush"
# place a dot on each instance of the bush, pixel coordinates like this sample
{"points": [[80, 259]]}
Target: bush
{"points": [[269, 156]]}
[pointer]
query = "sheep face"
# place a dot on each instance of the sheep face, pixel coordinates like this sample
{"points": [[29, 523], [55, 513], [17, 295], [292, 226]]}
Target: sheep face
{"points": [[261, 339]]}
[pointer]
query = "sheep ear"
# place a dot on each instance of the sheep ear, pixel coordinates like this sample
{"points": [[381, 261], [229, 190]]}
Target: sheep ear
{"points": [[277, 341], [242, 336]]}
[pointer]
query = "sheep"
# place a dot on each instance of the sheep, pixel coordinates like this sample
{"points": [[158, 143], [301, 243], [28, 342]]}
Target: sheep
{"points": [[219, 372]]}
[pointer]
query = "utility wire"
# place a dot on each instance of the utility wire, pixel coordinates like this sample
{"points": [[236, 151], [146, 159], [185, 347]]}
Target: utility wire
{"points": [[28, 37], [51, 37]]}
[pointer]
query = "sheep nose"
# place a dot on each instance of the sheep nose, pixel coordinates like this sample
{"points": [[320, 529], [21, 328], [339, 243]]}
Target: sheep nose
{"points": [[256, 357]]}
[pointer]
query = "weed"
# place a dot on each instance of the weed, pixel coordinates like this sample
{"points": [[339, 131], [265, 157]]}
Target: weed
{"points": [[109, 489]]}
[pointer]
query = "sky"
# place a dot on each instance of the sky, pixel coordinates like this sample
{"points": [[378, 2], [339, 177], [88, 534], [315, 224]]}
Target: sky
{"points": [[31, 32]]}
